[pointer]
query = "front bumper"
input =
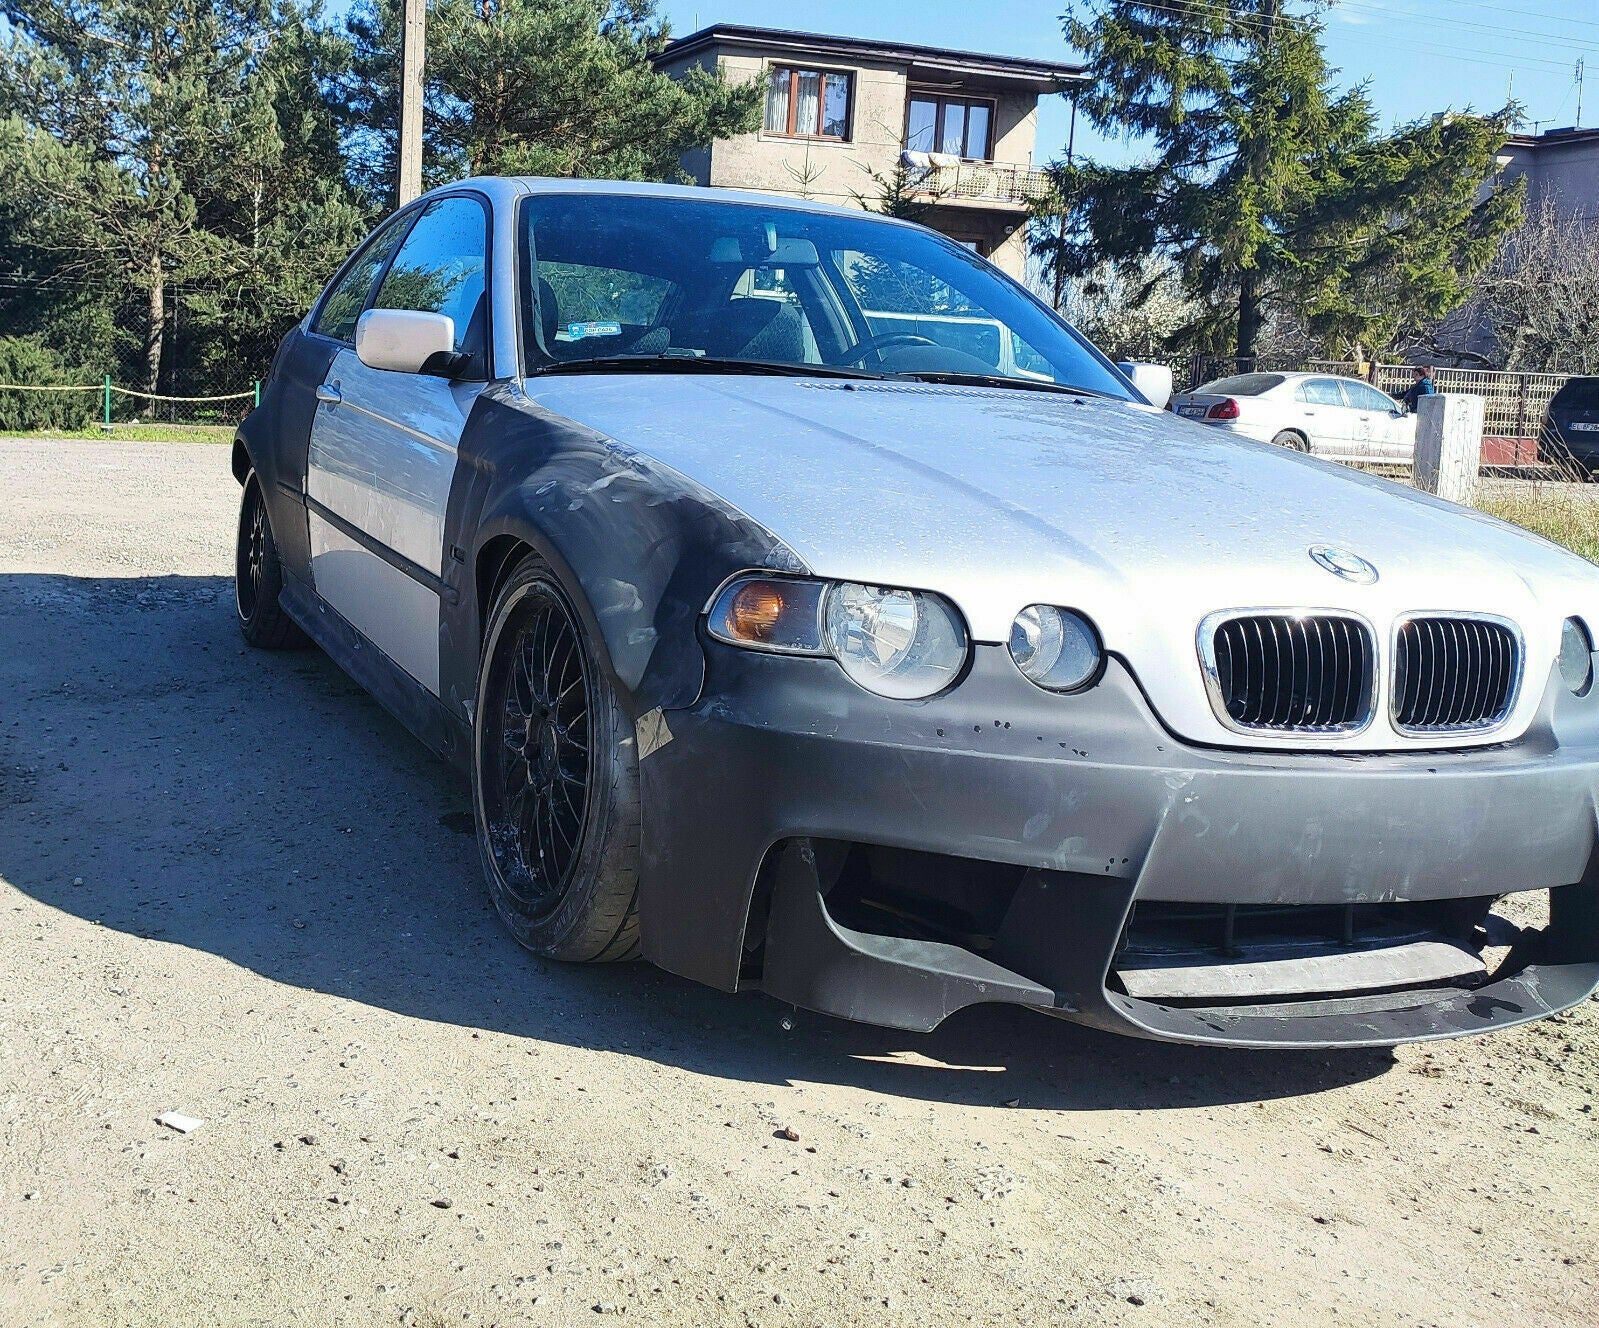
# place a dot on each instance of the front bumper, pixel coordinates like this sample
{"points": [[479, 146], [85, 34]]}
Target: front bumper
{"points": [[1097, 807]]}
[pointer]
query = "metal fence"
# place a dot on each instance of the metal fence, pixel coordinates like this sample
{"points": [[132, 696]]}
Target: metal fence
{"points": [[986, 181]]}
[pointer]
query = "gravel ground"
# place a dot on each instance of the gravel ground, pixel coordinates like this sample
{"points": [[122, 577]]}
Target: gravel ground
{"points": [[231, 886]]}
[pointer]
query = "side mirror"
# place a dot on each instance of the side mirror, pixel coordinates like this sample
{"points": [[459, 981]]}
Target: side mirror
{"points": [[406, 341], [1153, 380]]}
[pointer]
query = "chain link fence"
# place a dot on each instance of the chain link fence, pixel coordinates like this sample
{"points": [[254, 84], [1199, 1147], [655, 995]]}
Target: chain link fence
{"points": [[204, 380]]}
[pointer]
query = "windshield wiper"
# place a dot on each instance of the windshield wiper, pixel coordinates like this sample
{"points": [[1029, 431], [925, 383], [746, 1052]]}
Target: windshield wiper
{"points": [[670, 363], [957, 379]]}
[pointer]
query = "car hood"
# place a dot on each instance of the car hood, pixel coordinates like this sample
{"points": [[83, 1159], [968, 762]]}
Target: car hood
{"points": [[1001, 498]]}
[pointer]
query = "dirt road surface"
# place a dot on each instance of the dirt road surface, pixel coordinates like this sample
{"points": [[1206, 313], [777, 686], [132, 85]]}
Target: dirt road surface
{"points": [[231, 886]]}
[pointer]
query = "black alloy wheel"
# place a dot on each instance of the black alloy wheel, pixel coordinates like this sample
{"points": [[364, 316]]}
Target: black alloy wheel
{"points": [[258, 577], [537, 791], [554, 778]]}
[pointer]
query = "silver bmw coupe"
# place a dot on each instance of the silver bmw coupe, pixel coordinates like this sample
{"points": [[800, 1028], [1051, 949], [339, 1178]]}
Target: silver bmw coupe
{"points": [[814, 611]]}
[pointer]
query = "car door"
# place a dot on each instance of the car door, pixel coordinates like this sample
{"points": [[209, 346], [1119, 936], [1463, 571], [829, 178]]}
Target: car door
{"points": [[383, 446], [1325, 417], [1399, 433], [1370, 413]]}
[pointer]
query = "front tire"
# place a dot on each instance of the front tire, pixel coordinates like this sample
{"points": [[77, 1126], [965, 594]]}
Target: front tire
{"points": [[554, 778], [258, 577]]}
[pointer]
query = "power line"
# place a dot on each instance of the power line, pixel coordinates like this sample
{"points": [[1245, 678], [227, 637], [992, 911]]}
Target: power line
{"points": [[1510, 10], [1193, 9], [1561, 40]]}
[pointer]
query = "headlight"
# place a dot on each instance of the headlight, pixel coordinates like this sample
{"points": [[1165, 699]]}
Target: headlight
{"points": [[904, 644], [899, 643], [1055, 648], [1576, 656]]}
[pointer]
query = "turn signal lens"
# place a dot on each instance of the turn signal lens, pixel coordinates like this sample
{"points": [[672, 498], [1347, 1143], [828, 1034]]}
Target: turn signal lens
{"points": [[770, 613], [1223, 410], [755, 611], [1576, 656], [1055, 648]]}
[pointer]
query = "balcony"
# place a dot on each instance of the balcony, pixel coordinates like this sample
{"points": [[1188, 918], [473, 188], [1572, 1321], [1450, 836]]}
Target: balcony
{"points": [[935, 178]]}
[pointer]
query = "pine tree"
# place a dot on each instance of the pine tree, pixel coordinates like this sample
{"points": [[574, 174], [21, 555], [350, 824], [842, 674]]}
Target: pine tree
{"points": [[154, 144], [537, 87], [1264, 184]]}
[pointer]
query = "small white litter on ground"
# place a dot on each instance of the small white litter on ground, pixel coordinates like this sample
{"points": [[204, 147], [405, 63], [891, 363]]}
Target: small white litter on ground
{"points": [[176, 1120]]}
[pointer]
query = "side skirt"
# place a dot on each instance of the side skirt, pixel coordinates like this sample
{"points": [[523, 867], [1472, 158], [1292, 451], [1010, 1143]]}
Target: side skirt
{"points": [[390, 685]]}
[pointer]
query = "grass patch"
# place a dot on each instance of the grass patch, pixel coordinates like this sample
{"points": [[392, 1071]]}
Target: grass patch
{"points": [[138, 433], [1565, 513]]}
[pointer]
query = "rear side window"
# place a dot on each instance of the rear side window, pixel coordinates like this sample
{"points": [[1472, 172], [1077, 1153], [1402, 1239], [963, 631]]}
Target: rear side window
{"points": [[347, 298], [441, 269], [1243, 385], [1577, 394], [1321, 392]]}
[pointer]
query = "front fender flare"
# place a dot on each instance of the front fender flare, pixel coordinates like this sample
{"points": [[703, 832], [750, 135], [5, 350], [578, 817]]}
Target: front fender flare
{"points": [[639, 546]]}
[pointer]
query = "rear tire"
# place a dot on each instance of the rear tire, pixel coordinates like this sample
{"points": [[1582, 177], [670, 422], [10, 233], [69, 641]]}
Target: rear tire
{"points": [[554, 778], [1294, 442], [258, 577]]}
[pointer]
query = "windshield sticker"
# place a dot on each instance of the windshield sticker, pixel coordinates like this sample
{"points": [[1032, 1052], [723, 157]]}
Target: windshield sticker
{"points": [[577, 331]]}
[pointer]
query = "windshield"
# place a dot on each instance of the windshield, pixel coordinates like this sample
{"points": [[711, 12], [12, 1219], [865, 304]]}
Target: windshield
{"points": [[611, 279]]}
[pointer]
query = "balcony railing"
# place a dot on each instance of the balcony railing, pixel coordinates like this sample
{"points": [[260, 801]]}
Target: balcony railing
{"points": [[976, 181]]}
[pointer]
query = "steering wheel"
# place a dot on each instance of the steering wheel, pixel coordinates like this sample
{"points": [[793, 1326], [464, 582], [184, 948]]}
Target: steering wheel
{"points": [[881, 343]]}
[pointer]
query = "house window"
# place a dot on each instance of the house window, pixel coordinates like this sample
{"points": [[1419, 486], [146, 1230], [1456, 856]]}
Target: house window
{"points": [[807, 103], [956, 125]]}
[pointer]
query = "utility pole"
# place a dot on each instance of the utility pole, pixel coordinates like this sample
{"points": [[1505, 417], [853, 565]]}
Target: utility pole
{"points": [[1579, 94], [413, 46]]}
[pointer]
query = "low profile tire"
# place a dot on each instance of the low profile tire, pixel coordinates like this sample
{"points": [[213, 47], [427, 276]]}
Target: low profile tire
{"points": [[1294, 442], [258, 577], [554, 778]]}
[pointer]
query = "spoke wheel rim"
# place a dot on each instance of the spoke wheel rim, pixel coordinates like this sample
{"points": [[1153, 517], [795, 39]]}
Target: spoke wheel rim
{"points": [[536, 758], [252, 553]]}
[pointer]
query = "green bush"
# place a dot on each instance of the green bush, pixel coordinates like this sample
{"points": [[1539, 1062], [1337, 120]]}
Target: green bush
{"points": [[26, 362]]}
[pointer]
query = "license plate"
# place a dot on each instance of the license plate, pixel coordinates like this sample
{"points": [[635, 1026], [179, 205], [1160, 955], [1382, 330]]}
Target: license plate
{"points": [[1193, 412], [1585, 428]]}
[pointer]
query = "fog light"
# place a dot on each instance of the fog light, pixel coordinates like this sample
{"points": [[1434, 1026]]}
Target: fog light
{"points": [[1576, 656], [1056, 649]]}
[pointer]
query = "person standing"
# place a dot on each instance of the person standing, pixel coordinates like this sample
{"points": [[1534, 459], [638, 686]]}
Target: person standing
{"points": [[1422, 387]]}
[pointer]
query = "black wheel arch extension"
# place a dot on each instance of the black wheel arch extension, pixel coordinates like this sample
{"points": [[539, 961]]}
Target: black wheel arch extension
{"points": [[637, 546]]}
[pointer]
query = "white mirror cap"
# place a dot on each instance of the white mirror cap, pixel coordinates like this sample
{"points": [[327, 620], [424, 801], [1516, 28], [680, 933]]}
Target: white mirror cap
{"points": [[1153, 380], [402, 340]]}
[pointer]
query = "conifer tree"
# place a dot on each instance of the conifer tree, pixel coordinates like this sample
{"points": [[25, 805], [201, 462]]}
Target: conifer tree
{"points": [[1270, 189]]}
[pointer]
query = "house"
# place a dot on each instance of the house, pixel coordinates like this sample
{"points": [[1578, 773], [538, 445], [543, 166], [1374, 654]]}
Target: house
{"points": [[842, 116], [1559, 164]]}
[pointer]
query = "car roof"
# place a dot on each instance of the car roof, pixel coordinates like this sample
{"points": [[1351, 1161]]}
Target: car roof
{"points": [[508, 188]]}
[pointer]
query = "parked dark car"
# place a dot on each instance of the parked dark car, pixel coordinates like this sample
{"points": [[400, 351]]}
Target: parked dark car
{"points": [[1570, 432]]}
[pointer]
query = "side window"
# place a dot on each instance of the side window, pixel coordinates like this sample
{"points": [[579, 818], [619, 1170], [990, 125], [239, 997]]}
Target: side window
{"points": [[347, 299], [1321, 392], [441, 269], [1367, 397]]}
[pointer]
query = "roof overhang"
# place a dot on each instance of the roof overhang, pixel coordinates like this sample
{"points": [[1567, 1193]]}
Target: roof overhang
{"points": [[923, 64]]}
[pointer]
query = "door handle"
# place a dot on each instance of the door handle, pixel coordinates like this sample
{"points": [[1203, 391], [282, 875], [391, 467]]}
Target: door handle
{"points": [[331, 395]]}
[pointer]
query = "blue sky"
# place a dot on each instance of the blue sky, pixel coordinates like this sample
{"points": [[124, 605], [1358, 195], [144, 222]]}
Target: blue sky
{"points": [[1419, 56]]}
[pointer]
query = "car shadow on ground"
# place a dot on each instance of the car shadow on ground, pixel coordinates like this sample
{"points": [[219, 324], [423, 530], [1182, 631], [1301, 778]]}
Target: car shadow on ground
{"points": [[159, 778]]}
